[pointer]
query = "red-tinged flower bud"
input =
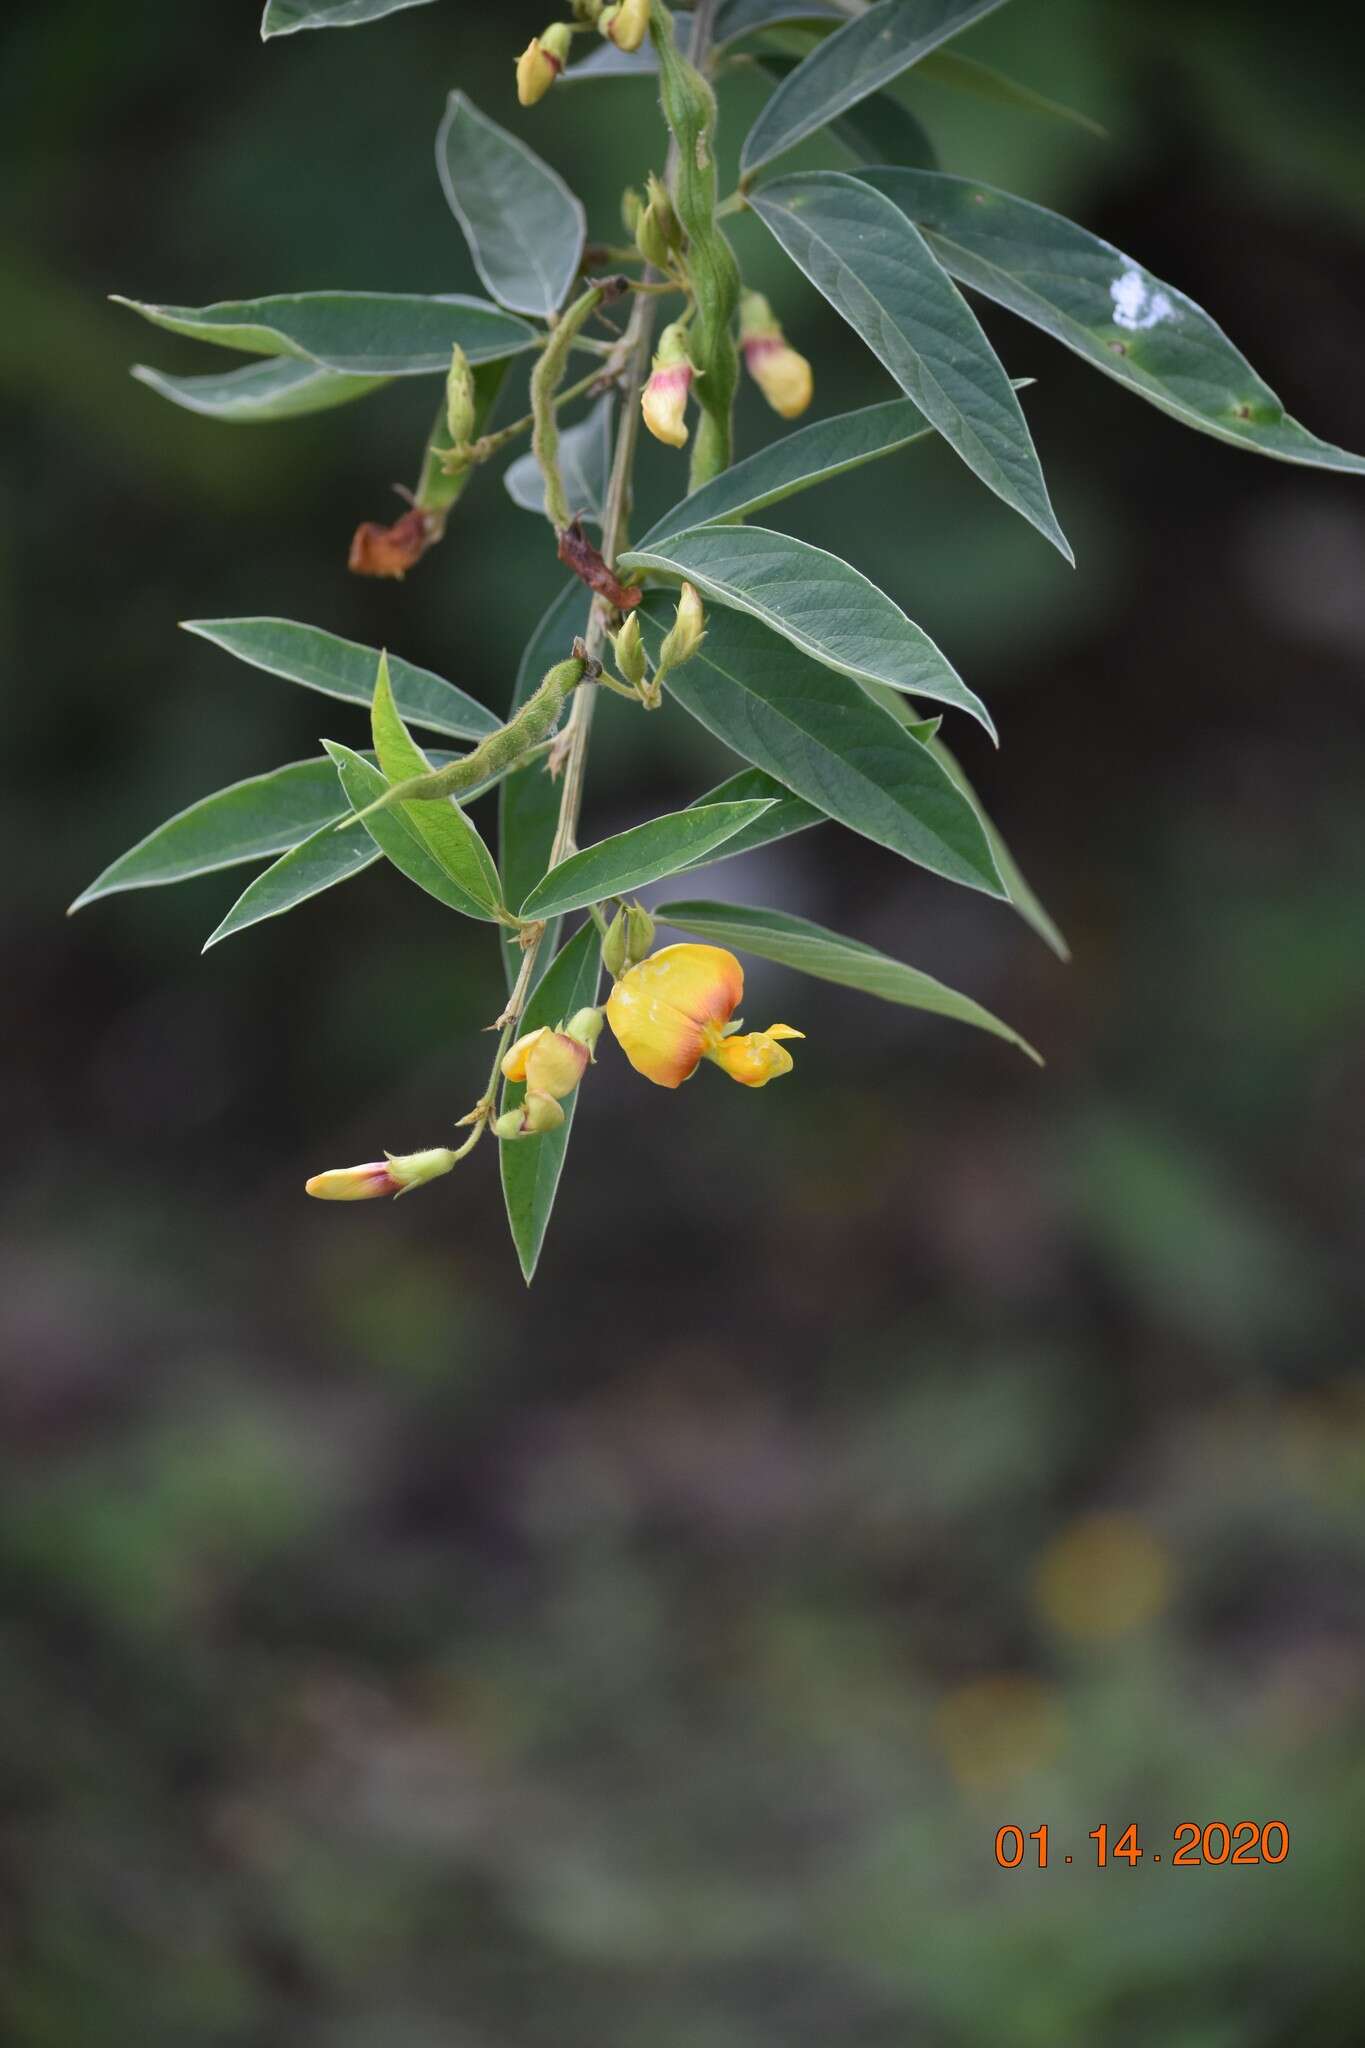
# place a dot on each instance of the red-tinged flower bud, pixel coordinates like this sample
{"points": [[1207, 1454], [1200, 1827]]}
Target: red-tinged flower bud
{"points": [[673, 1010], [549, 1062], [391, 1175], [541, 62], [626, 24], [664, 398], [393, 550], [533, 1117], [783, 376]]}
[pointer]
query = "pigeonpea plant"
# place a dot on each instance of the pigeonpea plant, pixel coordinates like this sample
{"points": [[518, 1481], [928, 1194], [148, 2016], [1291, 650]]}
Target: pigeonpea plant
{"points": [[815, 679]]}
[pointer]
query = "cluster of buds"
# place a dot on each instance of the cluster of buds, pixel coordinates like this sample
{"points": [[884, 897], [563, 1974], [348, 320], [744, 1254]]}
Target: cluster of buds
{"points": [[549, 1063], [664, 398], [544, 58], [394, 1174], [630, 938], [681, 642], [783, 376], [675, 1008]]}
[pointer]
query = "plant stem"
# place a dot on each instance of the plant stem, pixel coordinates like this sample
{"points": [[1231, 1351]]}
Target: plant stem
{"points": [[635, 349]]}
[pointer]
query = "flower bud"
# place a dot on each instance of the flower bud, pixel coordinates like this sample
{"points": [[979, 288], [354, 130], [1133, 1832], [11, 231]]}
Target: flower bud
{"points": [[549, 1062], [664, 399], [639, 933], [532, 1118], [541, 62], [585, 1027], [614, 947], [632, 206], [629, 650], [391, 1175], [461, 405], [684, 637], [784, 377], [658, 232], [626, 24]]}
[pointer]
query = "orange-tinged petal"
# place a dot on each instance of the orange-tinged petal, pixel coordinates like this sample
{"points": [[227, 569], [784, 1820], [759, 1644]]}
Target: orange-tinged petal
{"points": [[667, 1011]]}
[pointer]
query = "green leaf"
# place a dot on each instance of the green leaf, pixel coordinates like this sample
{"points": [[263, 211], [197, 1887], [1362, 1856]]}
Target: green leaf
{"points": [[441, 825], [1087, 294], [317, 863], [366, 334], [282, 389], [811, 949], [345, 669], [785, 815], [531, 1167], [585, 451], [1020, 894], [394, 836], [285, 17], [963, 74], [250, 820], [736, 18], [811, 455], [875, 268], [857, 60], [646, 853], [528, 803], [819, 603], [821, 735], [879, 130], [524, 227]]}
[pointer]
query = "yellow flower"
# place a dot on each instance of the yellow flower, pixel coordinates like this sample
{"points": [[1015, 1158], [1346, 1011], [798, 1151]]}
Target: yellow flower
{"points": [[672, 1011], [549, 1062], [783, 376]]}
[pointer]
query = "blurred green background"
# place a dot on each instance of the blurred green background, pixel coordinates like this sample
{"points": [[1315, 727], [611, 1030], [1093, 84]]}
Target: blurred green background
{"points": [[389, 1658]]}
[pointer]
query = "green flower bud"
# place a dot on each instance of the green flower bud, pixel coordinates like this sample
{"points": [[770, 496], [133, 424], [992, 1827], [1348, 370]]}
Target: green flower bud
{"points": [[585, 1027], [460, 400], [614, 947], [639, 933], [629, 650], [686, 635], [536, 1115]]}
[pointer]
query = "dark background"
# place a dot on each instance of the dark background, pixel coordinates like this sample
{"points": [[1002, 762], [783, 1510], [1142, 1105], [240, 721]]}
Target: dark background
{"points": [[389, 1658]]}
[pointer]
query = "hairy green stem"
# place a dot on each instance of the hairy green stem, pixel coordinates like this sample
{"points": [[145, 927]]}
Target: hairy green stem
{"points": [[546, 379], [689, 107], [502, 751]]}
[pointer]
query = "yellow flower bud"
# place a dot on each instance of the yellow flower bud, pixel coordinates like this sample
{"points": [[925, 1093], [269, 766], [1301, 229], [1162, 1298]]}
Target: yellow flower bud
{"points": [[586, 1027], [664, 398], [627, 24], [541, 62], [629, 649], [461, 409], [534, 1116], [549, 1062], [391, 1175], [783, 376], [685, 635], [672, 1011]]}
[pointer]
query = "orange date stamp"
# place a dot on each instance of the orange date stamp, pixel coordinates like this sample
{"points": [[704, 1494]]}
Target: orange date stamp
{"points": [[1192, 1842]]}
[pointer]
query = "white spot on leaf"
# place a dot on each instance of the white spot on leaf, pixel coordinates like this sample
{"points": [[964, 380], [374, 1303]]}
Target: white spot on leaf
{"points": [[1136, 304]]}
